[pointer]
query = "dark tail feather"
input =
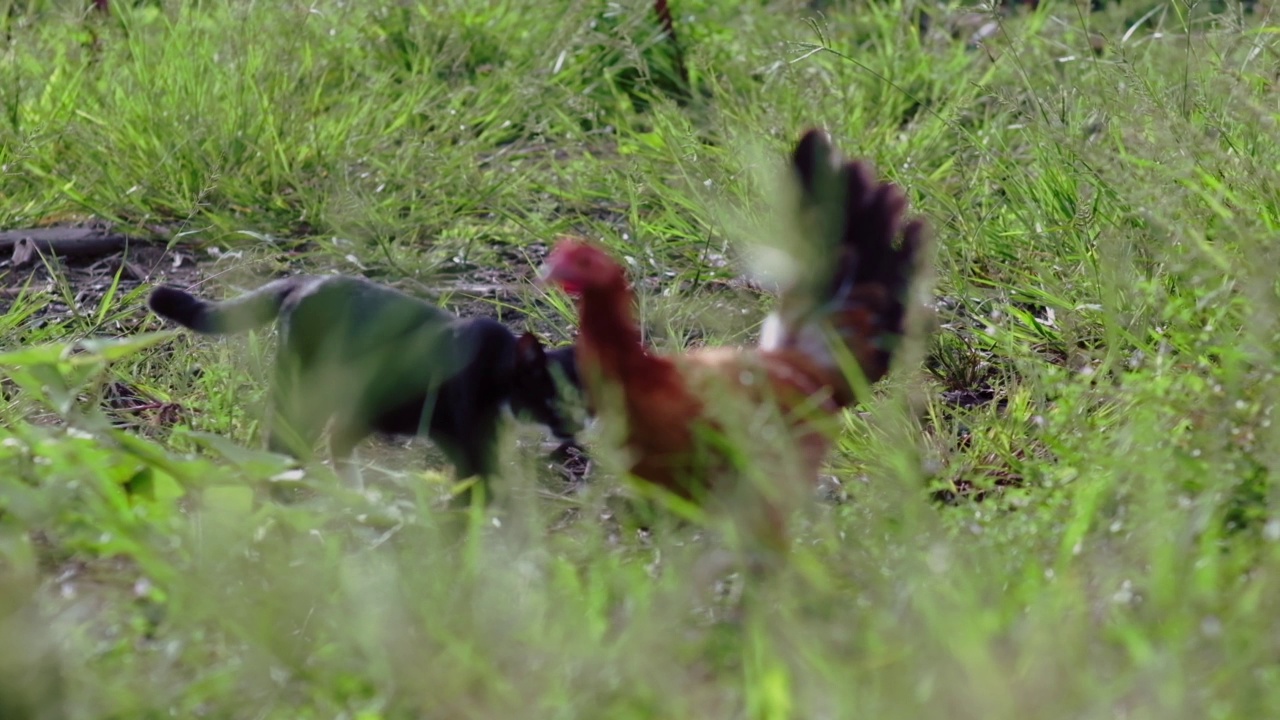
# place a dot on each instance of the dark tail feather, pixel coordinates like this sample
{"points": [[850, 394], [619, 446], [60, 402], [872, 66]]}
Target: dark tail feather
{"points": [[247, 312], [877, 254], [876, 248]]}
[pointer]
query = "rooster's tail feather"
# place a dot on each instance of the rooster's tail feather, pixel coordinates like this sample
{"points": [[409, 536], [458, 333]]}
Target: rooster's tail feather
{"points": [[861, 261]]}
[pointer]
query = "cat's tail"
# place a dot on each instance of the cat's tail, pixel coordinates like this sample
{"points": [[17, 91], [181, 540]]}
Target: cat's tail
{"points": [[246, 312]]}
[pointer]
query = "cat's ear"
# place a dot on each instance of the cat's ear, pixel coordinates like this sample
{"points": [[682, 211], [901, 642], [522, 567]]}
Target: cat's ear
{"points": [[529, 349]]}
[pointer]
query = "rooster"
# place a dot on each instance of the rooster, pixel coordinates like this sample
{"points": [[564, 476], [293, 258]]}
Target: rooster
{"points": [[699, 425]]}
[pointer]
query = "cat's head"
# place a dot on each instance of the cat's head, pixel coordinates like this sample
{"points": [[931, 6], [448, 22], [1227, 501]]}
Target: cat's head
{"points": [[545, 386]]}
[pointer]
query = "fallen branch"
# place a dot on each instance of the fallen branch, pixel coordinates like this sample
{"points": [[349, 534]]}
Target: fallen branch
{"points": [[25, 245]]}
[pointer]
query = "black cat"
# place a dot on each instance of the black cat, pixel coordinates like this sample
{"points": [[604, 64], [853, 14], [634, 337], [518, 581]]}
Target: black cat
{"points": [[373, 359]]}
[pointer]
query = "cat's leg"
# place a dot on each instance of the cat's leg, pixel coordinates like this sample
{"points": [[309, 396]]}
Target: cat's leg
{"points": [[474, 454], [343, 439], [295, 420]]}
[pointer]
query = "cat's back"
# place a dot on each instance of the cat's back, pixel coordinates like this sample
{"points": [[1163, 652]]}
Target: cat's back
{"points": [[360, 310]]}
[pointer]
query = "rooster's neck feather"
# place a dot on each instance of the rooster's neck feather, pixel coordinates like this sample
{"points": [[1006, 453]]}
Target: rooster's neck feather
{"points": [[611, 346], [609, 328]]}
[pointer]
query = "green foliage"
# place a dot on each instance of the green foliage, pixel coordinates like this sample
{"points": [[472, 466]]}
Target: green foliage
{"points": [[1070, 514]]}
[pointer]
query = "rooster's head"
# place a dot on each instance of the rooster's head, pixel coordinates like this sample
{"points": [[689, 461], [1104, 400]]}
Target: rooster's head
{"points": [[578, 266]]}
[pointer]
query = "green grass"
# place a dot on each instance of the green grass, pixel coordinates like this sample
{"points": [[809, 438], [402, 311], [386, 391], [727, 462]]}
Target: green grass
{"points": [[1102, 541]]}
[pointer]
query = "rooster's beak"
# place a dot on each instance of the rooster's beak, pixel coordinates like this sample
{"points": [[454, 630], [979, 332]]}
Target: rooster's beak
{"points": [[545, 276], [550, 276]]}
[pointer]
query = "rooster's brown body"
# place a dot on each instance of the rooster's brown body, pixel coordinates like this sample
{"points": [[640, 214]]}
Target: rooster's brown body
{"points": [[700, 424]]}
